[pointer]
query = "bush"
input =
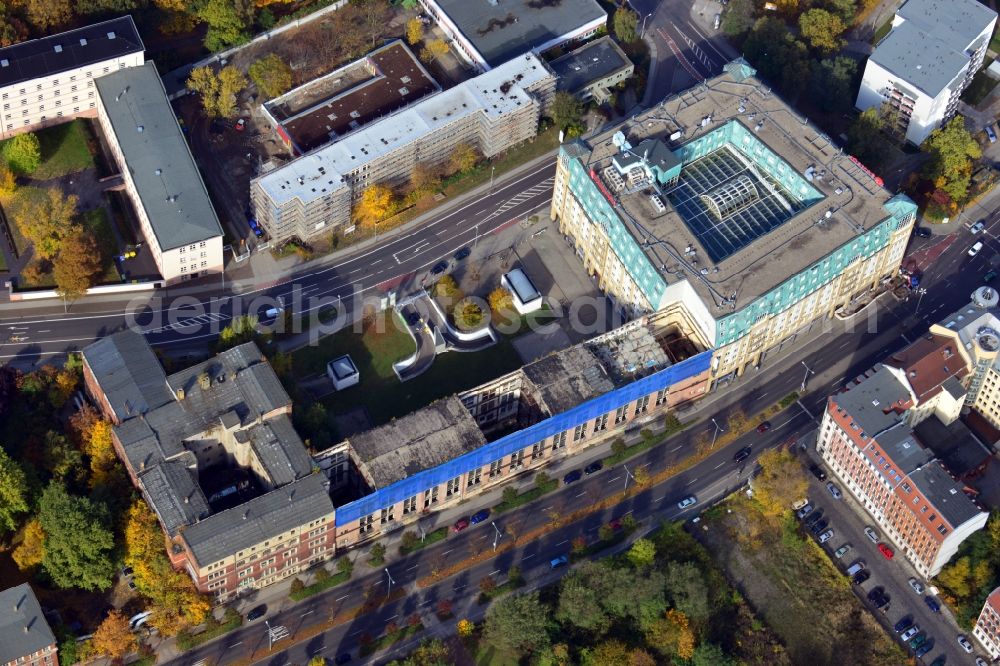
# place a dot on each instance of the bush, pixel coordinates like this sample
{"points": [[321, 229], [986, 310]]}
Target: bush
{"points": [[618, 446], [321, 575], [408, 540], [542, 480], [509, 494], [297, 586], [23, 153], [376, 556]]}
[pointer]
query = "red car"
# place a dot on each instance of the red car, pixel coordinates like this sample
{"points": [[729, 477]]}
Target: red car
{"points": [[886, 551], [241, 125], [764, 427], [460, 524]]}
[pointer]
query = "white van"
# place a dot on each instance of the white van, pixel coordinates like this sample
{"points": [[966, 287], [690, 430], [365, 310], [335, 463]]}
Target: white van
{"points": [[718, 21]]}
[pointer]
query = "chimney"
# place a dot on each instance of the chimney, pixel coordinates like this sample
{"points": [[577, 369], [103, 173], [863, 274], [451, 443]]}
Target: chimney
{"points": [[180, 392]]}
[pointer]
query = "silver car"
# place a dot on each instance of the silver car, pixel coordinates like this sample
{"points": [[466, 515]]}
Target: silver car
{"points": [[915, 584], [826, 536]]}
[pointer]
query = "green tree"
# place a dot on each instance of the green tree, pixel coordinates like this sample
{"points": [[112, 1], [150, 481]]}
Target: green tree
{"points": [[777, 55], [14, 493], [710, 654], [46, 220], [12, 28], [84, 7], [61, 459], [955, 577], [272, 75], [414, 31], [79, 543], [626, 21], [468, 314], [228, 22], [376, 554], [686, 590], [566, 111], [580, 604], [832, 82], [463, 158], [23, 153], [822, 30], [518, 624], [952, 151], [739, 17], [865, 139], [846, 10], [77, 267], [541, 480], [642, 554]]}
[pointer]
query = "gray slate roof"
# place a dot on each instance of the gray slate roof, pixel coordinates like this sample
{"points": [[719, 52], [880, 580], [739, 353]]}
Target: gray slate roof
{"points": [[919, 59], [509, 28], [19, 609], [420, 440], [955, 22], [906, 453], [174, 493], [868, 401], [567, 378], [157, 157], [78, 48], [226, 533], [589, 63], [280, 450], [944, 493], [128, 373]]}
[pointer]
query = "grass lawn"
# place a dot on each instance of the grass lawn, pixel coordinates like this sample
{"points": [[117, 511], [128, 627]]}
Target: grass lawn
{"points": [[65, 150], [375, 352], [791, 582], [995, 42], [981, 86], [97, 221]]}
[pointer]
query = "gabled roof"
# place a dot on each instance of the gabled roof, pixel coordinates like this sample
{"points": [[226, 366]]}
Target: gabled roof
{"points": [[927, 363], [871, 402], [226, 533], [174, 494], [23, 629], [944, 494], [128, 372], [76, 48]]}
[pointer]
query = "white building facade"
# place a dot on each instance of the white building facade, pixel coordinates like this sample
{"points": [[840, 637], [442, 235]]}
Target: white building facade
{"points": [[50, 80], [920, 69]]}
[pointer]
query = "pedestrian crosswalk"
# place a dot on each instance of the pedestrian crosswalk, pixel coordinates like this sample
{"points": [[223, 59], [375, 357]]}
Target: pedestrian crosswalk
{"points": [[190, 322], [529, 193]]}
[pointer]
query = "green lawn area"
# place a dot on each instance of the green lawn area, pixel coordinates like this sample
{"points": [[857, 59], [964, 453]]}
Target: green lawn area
{"points": [[995, 42], [64, 148], [100, 225], [981, 86], [882, 31], [374, 353]]}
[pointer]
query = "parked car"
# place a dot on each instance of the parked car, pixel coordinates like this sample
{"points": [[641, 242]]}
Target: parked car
{"points": [[559, 561], [804, 511], [257, 612], [974, 250], [460, 525], [826, 536], [964, 642], [978, 226], [834, 490], [904, 623], [764, 427], [990, 276], [814, 517], [887, 552], [343, 658], [923, 232], [595, 466], [686, 502], [718, 21], [462, 254], [882, 603], [240, 125], [990, 134], [479, 516], [917, 641], [909, 633], [138, 620], [820, 526], [413, 318], [981, 662], [439, 267], [941, 659], [818, 472], [742, 454], [875, 593], [916, 586], [933, 604], [572, 476], [872, 535], [858, 566], [924, 649], [843, 550], [861, 577]]}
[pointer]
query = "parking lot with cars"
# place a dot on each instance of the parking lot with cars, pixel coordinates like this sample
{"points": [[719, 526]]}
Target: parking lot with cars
{"points": [[887, 585]]}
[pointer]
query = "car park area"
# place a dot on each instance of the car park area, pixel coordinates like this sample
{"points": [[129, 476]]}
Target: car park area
{"points": [[887, 586]]}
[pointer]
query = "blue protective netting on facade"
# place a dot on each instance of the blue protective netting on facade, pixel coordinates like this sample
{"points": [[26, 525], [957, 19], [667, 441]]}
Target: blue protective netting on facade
{"points": [[516, 441]]}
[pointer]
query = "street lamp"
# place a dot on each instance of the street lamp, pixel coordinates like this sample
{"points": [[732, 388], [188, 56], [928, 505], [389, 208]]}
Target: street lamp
{"points": [[497, 537], [628, 475], [493, 169], [388, 585], [718, 429], [920, 295], [643, 31], [809, 371]]}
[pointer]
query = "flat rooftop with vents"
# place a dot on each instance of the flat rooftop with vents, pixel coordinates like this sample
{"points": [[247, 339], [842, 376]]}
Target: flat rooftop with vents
{"points": [[330, 107], [491, 32]]}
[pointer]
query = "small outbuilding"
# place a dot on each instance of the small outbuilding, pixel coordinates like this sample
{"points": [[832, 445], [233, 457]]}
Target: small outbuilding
{"points": [[527, 298], [342, 372]]}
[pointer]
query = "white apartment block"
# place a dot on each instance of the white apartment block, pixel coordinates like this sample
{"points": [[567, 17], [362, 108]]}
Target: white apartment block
{"points": [[987, 629], [178, 221], [920, 69], [50, 80], [314, 194]]}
